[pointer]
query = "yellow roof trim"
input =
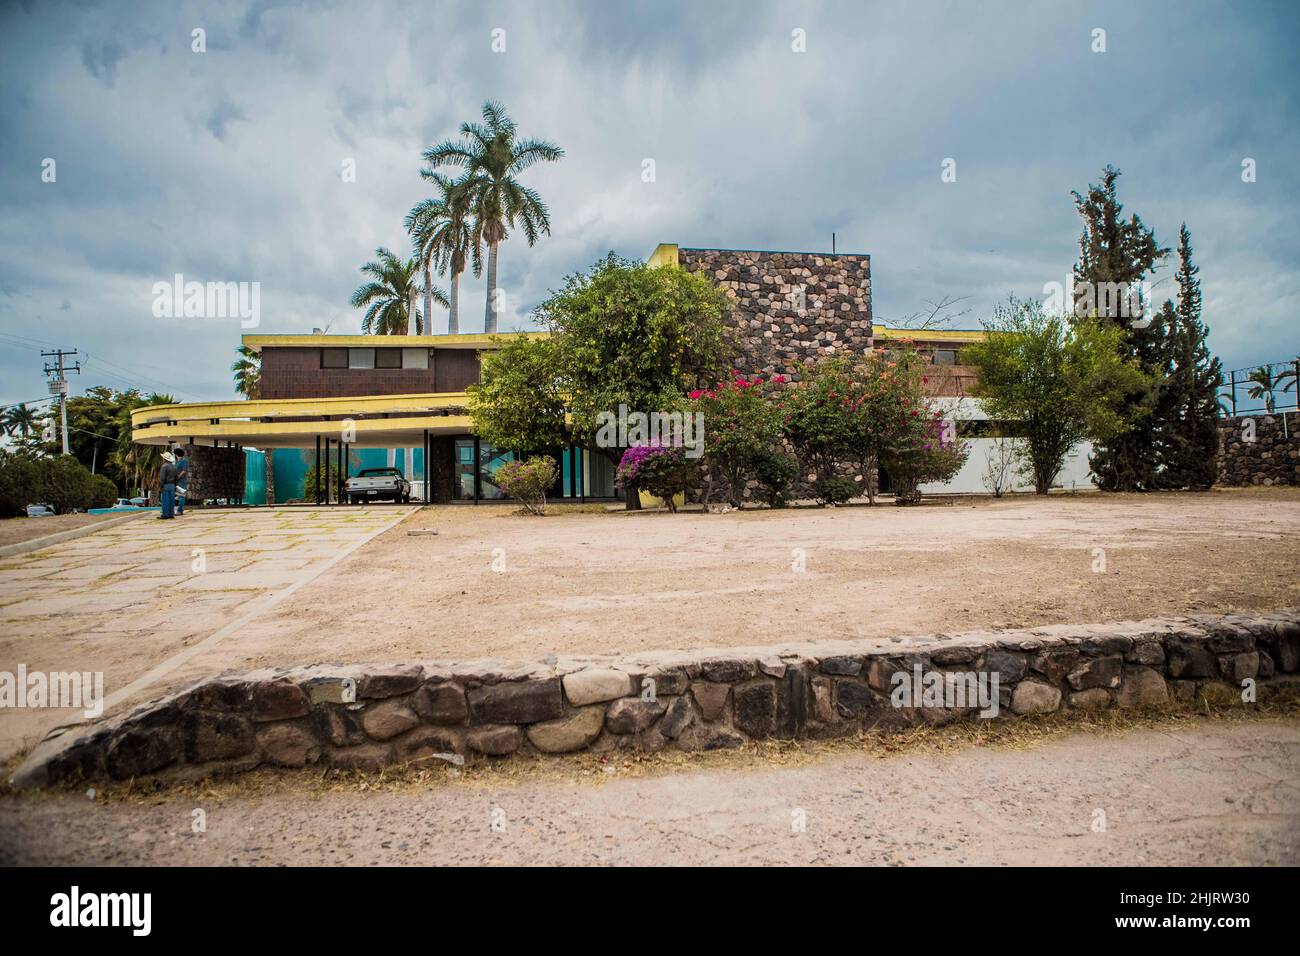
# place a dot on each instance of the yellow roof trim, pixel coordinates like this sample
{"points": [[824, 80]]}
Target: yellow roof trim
{"points": [[665, 254], [928, 335], [340, 407], [366, 433]]}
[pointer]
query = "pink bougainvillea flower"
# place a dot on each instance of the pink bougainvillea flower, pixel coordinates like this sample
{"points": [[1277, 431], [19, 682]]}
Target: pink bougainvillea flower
{"points": [[697, 393]]}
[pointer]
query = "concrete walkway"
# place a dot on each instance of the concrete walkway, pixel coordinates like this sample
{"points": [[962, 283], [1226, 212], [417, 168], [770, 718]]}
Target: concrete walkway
{"points": [[1208, 794], [132, 596]]}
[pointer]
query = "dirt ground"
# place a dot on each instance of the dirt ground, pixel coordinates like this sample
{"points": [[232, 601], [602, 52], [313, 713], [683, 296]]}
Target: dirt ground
{"points": [[1198, 792], [595, 583], [17, 530]]}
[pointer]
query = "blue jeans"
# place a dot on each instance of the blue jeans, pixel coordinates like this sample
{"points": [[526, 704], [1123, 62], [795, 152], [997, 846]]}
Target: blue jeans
{"points": [[180, 504], [168, 500]]}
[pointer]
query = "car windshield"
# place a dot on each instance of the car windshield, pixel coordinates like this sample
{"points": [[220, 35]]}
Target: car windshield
{"points": [[379, 473]]}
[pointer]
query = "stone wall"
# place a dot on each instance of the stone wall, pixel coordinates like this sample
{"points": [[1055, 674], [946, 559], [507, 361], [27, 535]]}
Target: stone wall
{"points": [[367, 718], [776, 335], [1272, 458], [215, 473]]}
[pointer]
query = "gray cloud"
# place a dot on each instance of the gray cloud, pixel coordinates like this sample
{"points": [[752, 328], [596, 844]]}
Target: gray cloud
{"points": [[225, 165]]}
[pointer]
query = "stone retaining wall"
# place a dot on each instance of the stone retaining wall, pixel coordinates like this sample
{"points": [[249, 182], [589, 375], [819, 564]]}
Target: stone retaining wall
{"points": [[367, 718], [1272, 458]]}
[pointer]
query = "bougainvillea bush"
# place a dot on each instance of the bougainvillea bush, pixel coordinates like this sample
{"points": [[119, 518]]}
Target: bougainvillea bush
{"points": [[742, 428], [527, 481], [867, 412], [661, 470]]}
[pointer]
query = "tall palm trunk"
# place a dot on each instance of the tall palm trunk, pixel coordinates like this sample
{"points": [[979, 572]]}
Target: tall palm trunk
{"points": [[428, 301], [410, 310], [489, 311], [453, 318]]}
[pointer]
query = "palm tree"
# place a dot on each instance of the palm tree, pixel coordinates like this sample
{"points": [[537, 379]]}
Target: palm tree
{"points": [[492, 157], [443, 235], [18, 420], [1289, 380], [138, 464], [248, 372], [248, 382], [1264, 385], [390, 296]]}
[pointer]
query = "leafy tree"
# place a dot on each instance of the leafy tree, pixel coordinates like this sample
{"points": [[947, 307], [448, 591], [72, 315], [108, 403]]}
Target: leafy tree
{"points": [[387, 296], [627, 334], [776, 471], [819, 422], [20, 483], [1118, 252], [1061, 380], [741, 428], [1187, 408], [493, 156], [517, 402]]}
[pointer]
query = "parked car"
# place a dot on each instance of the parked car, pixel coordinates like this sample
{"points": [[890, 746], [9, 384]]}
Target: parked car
{"points": [[378, 484], [39, 511]]}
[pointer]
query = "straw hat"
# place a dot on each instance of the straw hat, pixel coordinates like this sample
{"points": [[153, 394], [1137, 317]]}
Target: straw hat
{"points": [[169, 457]]}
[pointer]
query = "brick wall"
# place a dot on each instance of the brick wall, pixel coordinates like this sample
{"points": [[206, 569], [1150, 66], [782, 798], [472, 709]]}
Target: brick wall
{"points": [[295, 372], [1260, 450], [777, 335]]}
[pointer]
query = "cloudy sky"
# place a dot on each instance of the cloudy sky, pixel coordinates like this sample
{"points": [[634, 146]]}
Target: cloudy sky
{"points": [[225, 165]]}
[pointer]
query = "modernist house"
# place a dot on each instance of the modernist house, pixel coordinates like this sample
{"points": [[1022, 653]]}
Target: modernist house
{"points": [[336, 398]]}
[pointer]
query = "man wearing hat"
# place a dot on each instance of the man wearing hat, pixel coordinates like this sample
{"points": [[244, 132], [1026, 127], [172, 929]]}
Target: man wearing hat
{"points": [[167, 484]]}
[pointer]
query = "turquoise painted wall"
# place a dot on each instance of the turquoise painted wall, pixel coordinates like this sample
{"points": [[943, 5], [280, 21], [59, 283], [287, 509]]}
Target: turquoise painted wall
{"points": [[292, 465]]}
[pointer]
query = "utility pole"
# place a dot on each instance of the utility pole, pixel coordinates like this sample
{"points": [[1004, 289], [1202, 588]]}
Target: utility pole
{"points": [[59, 384]]}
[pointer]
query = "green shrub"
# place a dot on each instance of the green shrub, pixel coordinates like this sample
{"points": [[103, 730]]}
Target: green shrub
{"points": [[315, 479], [527, 481], [103, 493], [20, 483], [776, 472], [65, 483], [835, 490]]}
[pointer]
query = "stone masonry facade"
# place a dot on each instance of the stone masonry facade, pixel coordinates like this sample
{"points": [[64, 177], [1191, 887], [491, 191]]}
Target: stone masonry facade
{"points": [[370, 717], [1271, 458], [790, 308]]}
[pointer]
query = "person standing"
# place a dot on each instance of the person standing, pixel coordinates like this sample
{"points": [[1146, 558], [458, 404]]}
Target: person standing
{"points": [[182, 479], [167, 485]]}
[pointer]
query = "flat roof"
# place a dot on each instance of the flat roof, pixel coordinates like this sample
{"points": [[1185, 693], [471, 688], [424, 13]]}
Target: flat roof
{"points": [[469, 340]]}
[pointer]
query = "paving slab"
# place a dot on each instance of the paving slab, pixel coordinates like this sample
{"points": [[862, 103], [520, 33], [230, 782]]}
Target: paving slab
{"points": [[127, 598]]}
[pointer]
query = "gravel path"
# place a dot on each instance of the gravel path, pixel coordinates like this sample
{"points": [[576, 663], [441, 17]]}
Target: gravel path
{"points": [[1213, 793]]}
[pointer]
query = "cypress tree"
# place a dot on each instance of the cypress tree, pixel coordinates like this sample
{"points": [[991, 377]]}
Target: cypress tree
{"points": [[1115, 252], [1188, 408]]}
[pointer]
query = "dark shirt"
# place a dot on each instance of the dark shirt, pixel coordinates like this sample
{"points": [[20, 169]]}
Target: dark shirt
{"points": [[167, 474], [182, 470]]}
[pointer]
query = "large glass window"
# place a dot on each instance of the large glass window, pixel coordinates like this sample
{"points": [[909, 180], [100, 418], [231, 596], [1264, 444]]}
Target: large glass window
{"points": [[388, 358], [491, 459], [462, 488], [361, 358], [333, 358], [415, 358]]}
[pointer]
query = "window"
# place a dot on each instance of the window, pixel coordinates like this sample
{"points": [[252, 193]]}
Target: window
{"points": [[361, 358], [333, 358], [415, 358], [945, 357], [388, 358]]}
